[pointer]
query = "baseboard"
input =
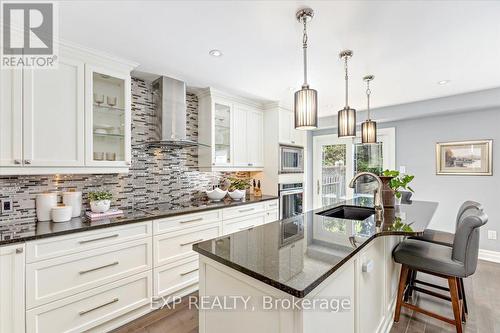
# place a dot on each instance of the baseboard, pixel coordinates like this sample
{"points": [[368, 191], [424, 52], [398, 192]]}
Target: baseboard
{"points": [[488, 255]]}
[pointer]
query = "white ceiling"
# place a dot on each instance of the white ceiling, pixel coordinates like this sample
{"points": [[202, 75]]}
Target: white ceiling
{"points": [[408, 46]]}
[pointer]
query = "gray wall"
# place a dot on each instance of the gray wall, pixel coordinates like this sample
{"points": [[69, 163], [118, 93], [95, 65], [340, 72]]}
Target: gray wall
{"points": [[415, 149]]}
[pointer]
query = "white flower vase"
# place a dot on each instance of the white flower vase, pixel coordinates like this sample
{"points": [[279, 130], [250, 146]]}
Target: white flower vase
{"points": [[100, 206]]}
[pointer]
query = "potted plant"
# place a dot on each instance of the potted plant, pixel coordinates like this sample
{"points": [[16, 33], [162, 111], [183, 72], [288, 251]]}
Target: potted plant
{"points": [[100, 201], [238, 187], [394, 182]]}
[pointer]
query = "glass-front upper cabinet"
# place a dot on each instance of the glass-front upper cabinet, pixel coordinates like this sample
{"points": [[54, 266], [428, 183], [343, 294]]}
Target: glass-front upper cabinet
{"points": [[222, 134], [108, 118]]}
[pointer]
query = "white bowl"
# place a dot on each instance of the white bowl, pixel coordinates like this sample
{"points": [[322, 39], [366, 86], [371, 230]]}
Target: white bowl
{"points": [[100, 206], [216, 195], [237, 194], [61, 213]]}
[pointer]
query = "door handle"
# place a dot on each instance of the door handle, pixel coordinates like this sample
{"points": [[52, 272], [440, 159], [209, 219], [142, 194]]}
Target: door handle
{"points": [[318, 187]]}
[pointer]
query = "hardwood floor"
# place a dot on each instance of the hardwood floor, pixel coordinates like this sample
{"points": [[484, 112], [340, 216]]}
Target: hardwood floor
{"points": [[483, 297]]}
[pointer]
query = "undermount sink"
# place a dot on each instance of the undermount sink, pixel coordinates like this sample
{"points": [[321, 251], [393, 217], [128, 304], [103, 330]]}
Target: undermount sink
{"points": [[349, 212]]}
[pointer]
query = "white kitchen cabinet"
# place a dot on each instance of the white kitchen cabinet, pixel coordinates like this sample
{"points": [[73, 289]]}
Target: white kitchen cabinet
{"points": [[43, 115], [232, 128], [12, 275], [11, 117], [54, 115], [287, 132], [108, 117]]}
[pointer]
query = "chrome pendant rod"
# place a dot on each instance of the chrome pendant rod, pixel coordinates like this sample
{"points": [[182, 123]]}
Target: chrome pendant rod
{"points": [[304, 48]]}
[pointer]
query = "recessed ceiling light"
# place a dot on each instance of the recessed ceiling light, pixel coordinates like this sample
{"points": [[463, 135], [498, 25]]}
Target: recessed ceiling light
{"points": [[443, 82], [215, 53]]}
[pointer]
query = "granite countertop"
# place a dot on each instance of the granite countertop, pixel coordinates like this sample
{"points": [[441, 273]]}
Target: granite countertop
{"points": [[28, 229], [295, 255]]}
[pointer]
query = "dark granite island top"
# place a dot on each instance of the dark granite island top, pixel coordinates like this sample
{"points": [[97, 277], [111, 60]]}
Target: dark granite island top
{"points": [[325, 243], [28, 229]]}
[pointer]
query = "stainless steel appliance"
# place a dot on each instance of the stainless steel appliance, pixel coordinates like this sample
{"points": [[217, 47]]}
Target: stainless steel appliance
{"points": [[291, 199], [291, 159], [292, 230]]}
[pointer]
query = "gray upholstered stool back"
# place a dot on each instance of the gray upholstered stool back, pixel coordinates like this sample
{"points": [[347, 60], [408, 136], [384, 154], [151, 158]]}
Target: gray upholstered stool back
{"points": [[466, 241], [469, 207]]}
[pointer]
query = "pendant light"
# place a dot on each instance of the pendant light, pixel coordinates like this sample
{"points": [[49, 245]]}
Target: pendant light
{"points": [[346, 116], [306, 100], [368, 127]]}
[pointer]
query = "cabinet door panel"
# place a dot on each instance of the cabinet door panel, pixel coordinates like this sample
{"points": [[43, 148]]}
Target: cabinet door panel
{"points": [[255, 138], [11, 117], [12, 289], [286, 124], [240, 126], [54, 115]]}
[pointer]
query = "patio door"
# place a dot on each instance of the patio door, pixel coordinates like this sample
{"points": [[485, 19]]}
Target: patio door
{"points": [[336, 160]]}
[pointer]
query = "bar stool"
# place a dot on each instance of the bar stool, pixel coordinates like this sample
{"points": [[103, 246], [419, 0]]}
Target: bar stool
{"points": [[444, 238], [450, 263]]}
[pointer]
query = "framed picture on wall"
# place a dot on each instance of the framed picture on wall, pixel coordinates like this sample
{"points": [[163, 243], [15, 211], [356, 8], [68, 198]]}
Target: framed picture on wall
{"points": [[473, 158]]}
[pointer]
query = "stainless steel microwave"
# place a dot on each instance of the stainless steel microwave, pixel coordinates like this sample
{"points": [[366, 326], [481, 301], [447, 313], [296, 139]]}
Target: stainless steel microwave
{"points": [[291, 159]]}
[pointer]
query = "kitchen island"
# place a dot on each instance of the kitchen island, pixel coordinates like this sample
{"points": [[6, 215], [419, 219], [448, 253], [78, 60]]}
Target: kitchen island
{"points": [[327, 270]]}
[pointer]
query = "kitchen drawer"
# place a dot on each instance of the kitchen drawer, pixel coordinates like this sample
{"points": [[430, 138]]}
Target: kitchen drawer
{"points": [[271, 204], [272, 215], [89, 309], [177, 245], [180, 277], [186, 220], [244, 210], [242, 223], [64, 245], [53, 279]]}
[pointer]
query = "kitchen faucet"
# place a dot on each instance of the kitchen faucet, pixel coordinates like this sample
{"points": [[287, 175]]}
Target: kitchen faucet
{"points": [[377, 194]]}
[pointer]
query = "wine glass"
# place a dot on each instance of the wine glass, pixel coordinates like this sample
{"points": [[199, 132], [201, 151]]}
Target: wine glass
{"points": [[98, 99], [111, 100]]}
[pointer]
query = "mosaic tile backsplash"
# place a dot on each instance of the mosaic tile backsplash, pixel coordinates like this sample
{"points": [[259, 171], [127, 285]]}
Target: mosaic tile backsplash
{"points": [[156, 175]]}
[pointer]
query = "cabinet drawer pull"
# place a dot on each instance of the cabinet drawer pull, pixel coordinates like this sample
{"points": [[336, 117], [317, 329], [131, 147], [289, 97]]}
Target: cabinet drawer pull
{"points": [[27, 162], [81, 313], [19, 250], [246, 210], [98, 239], [100, 267], [17, 161], [249, 227], [195, 241], [273, 205], [193, 220], [189, 272]]}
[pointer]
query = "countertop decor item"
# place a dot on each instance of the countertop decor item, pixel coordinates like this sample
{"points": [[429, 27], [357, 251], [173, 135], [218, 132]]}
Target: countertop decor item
{"points": [[306, 99], [61, 213], [44, 204], [101, 216], [398, 182], [100, 201], [368, 127], [73, 199], [216, 194], [237, 194], [469, 158], [346, 116]]}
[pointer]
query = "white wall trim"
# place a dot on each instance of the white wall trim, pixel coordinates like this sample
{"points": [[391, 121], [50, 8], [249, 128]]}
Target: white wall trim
{"points": [[488, 255]]}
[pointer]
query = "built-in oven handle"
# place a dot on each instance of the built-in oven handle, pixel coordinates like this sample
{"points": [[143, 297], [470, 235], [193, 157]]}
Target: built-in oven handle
{"points": [[286, 192]]}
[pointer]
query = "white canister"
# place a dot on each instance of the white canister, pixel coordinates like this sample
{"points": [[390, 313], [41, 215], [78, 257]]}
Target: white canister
{"points": [[44, 204], [61, 213], [73, 199]]}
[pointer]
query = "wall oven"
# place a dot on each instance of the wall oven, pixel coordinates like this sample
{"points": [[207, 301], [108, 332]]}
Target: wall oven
{"points": [[291, 199], [291, 159]]}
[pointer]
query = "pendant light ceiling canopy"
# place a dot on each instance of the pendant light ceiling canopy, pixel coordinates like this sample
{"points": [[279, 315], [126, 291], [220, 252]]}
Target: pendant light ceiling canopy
{"points": [[368, 127], [306, 99], [346, 116]]}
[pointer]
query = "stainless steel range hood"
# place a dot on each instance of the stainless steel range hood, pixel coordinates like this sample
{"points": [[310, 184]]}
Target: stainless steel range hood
{"points": [[169, 97]]}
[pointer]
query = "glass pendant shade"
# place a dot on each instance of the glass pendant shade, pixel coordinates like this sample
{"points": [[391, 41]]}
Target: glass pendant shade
{"points": [[369, 131], [347, 123], [306, 109]]}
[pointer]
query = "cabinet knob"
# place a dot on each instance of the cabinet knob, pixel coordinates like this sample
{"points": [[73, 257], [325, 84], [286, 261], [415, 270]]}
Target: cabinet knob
{"points": [[128, 163], [17, 161], [27, 161], [19, 250], [293, 141], [250, 164]]}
